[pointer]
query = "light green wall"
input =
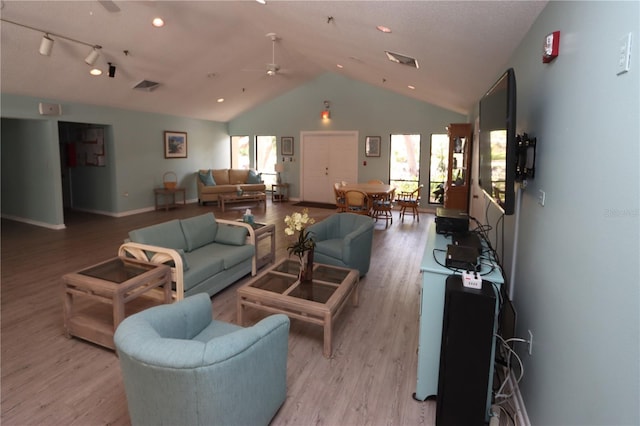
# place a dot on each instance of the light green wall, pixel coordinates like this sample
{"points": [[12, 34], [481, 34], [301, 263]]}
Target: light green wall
{"points": [[135, 161], [577, 285], [354, 106]]}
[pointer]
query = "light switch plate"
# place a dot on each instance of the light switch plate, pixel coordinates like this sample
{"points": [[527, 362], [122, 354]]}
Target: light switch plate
{"points": [[624, 54]]}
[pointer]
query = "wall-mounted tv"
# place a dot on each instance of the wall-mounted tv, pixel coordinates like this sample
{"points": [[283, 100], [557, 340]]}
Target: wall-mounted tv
{"points": [[498, 145]]}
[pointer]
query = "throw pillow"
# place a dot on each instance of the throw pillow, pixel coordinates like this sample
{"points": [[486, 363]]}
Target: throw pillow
{"points": [[207, 178], [199, 230], [232, 235], [254, 177]]}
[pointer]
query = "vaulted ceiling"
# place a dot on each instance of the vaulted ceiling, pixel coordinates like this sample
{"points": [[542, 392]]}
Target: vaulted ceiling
{"points": [[210, 50]]}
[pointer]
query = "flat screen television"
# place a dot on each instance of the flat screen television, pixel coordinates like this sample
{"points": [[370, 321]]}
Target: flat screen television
{"points": [[498, 145]]}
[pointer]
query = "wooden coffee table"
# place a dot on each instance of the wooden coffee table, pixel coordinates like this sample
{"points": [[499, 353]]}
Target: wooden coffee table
{"points": [[114, 282], [278, 290], [234, 197]]}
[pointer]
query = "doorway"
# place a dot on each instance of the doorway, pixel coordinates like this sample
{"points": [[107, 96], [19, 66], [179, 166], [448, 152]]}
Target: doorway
{"points": [[327, 158]]}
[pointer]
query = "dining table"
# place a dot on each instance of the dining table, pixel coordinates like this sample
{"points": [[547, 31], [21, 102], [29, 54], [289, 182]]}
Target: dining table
{"points": [[371, 189]]}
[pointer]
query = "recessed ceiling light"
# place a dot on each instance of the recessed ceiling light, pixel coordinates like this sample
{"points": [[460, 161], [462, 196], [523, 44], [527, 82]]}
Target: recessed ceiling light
{"points": [[411, 87], [383, 29], [95, 71], [262, 1], [157, 22], [220, 100], [339, 66]]}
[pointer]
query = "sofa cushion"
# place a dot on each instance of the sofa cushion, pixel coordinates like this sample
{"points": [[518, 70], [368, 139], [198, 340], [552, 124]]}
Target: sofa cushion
{"points": [[199, 230], [206, 178], [221, 176], [254, 177], [167, 234], [238, 176], [230, 255], [233, 235], [202, 266]]}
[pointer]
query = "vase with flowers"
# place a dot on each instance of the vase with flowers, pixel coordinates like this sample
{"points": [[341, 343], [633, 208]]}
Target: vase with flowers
{"points": [[304, 245]]}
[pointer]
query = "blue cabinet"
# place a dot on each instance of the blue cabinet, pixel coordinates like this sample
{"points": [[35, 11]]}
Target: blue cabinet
{"points": [[434, 275]]}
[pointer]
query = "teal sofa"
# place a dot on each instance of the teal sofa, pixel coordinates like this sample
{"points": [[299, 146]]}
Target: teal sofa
{"points": [[206, 254], [344, 239], [181, 367]]}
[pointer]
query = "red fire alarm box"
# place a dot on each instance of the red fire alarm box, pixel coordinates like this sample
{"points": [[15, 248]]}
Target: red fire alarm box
{"points": [[550, 47]]}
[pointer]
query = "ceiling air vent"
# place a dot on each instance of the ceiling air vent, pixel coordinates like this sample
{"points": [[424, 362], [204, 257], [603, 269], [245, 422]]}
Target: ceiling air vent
{"points": [[402, 59], [147, 85]]}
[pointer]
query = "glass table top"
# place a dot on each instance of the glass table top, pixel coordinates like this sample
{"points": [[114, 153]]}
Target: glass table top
{"points": [[116, 270]]}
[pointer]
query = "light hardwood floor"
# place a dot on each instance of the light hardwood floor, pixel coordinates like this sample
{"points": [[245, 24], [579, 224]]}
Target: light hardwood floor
{"points": [[49, 379]]}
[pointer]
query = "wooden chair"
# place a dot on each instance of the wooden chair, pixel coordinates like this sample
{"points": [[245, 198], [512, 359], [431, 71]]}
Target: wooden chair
{"points": [[341, 202], [411, 201], [357, 202], [383, 207]]}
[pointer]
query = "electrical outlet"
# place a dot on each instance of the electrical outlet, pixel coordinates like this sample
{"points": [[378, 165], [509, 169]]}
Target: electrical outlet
{"points": [[530, 342]]}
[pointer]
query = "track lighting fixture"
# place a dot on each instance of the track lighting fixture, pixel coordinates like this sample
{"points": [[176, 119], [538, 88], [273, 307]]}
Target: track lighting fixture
{"points": [[112, 70], [93, 56], [46, 45]]}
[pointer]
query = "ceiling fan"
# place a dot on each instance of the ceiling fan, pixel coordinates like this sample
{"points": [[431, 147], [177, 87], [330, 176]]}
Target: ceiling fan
{"points": [[273, 68]]}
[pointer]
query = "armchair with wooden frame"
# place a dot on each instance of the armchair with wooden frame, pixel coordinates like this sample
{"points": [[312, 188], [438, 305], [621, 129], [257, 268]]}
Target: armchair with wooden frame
{"points": [[383, 207], [409, 200], [341, 202], [357, 202]]}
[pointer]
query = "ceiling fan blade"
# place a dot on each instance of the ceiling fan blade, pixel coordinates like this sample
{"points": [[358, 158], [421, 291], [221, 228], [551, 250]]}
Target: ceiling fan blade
{"points": [[109, 5]]}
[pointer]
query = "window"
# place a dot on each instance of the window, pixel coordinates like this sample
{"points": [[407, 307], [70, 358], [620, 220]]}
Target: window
{"points": [[240, 158], [266, 158], [404, 165], [438, 167]]}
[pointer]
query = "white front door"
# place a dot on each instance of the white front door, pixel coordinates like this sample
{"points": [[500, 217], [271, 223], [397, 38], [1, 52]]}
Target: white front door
{"points": [[327, 158]]}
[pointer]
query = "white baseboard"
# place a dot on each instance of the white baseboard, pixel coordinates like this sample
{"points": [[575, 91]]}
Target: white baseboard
{"points": [[34, 222]]}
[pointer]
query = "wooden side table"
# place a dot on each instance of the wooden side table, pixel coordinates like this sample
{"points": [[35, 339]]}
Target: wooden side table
{"points": [[262, 232], [114, 282], [169, 193], [280, 192]]}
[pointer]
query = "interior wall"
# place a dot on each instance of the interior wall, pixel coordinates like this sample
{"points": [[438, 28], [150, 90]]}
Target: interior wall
{"points": [[577, 272], [29, 153], [354, 106], [135, 157]]}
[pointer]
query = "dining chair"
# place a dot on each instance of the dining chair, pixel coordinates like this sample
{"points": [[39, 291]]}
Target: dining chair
{"points": [[409, 200], [357, 202], [383, 207], [341, 203]]}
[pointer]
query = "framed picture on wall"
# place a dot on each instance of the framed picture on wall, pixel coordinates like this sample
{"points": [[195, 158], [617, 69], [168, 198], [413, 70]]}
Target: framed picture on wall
{"points": [[175, 144], [287, 145], [372, 146]]}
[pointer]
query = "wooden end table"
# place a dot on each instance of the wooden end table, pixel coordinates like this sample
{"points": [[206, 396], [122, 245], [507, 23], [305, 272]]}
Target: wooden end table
{"points": [[247, 196], [278, 291], [262, 232], [280, 192], [116, 282], [166, 194]]}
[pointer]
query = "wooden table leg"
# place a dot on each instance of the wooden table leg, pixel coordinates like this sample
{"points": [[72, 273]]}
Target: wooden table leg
{"points": [[67, 308], [240, 311], [118, 310], [327, 336]]}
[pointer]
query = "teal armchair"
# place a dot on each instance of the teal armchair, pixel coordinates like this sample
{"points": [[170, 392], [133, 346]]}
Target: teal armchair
{"points": [[344, 239], [181, 367]]}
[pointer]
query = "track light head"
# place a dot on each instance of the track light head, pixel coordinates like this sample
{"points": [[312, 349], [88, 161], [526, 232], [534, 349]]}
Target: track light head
{"points": [[93, 56], [46, 45], [112, 70]]}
